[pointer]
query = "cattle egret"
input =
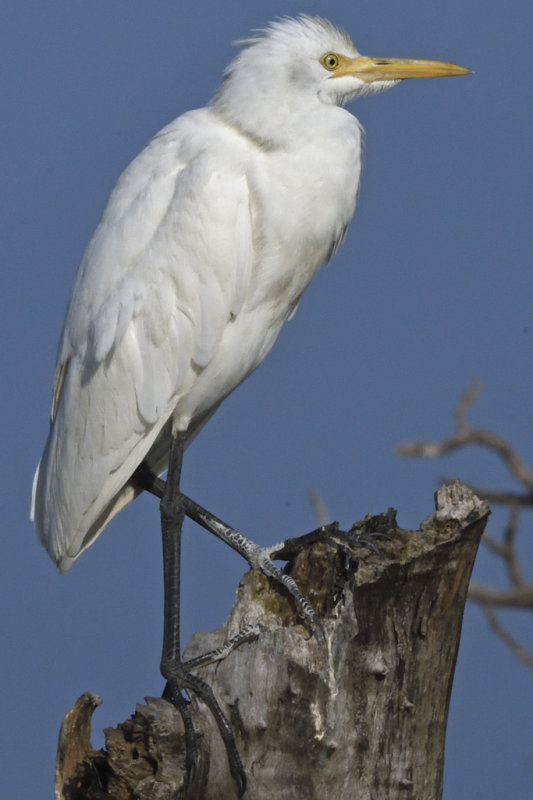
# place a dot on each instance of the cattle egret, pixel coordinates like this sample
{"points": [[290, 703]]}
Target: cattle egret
{"points": [[207, 243]]}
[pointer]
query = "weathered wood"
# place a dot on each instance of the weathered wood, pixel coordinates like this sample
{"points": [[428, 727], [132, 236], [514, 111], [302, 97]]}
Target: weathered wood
{"points": [[364, 718]]}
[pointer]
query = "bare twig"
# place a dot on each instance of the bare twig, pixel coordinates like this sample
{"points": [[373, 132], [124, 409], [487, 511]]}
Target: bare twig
{"points": [[505, 598], [520, 593], [479, 436], [499, 497], [517, 648], [514, 572], [493, 545], [321, 512], [468, 398], [466, 435]]}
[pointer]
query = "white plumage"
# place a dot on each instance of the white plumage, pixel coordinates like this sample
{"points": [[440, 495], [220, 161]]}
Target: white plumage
{"points": [[206, 245]]}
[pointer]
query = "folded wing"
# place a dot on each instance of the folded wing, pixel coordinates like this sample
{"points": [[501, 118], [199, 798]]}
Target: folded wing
{"points": [[167, 269]]}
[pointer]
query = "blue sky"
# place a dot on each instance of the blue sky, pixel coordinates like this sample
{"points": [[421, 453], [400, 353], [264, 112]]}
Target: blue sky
{"points": [[431, 288]]}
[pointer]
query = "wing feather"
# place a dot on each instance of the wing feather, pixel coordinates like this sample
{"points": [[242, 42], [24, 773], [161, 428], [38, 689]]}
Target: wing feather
{"points": [[165, 272]]}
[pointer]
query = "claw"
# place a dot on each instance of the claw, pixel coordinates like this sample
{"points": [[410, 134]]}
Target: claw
{"points": [[240, 779], [202, 689], [173, 694], [260, 558], [363, 539]]}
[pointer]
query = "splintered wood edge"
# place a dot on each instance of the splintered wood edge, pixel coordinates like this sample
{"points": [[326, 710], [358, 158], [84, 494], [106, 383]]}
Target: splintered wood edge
{"points": [[74, 741]]}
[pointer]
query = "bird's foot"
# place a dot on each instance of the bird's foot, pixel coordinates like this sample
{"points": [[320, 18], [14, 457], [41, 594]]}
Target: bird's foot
{"points": [[257, 557], [261, 558], [173, 694], [369, 540], [179, 679], [246, 634], [366, 534]]}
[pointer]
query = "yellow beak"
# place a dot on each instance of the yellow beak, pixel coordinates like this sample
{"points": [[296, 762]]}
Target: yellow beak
{"points": [[395, 69]]}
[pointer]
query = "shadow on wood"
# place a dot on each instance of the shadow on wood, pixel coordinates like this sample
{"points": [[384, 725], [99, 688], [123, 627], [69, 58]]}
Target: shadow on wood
{"points": [[364, 717]]}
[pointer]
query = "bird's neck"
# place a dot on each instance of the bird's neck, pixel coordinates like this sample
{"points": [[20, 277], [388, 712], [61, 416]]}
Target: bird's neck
{"points": [[271, 124]]}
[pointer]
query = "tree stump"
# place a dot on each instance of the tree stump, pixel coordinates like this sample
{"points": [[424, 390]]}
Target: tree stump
{"points": [[362, 718]]}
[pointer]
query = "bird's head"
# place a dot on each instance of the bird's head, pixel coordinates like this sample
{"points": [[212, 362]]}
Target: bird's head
{"points": [[296, 63]]}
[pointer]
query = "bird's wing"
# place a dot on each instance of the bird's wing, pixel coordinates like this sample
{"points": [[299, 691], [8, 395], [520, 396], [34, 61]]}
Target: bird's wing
{"points": [[165, 272]]}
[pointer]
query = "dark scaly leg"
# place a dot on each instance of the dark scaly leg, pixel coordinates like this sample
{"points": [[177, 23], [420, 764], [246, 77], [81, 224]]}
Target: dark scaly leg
{"points": [[172, 667], [262, 557], [174, 507], [257, 557], [246, 634]]}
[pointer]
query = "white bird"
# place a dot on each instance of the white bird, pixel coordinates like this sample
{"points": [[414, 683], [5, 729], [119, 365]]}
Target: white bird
{"points": [[207, 243]]}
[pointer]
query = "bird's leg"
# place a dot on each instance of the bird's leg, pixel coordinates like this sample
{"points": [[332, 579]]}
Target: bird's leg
{"points": [[257, 557], [156, 486], [172, 668], [172, 515], [262, 557]]}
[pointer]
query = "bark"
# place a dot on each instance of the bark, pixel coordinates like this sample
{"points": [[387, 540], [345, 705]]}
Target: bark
{"points": [[362, 718]]}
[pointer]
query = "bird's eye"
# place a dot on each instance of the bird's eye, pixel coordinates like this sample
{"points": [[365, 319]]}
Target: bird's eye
{"points": [[330, 61]]}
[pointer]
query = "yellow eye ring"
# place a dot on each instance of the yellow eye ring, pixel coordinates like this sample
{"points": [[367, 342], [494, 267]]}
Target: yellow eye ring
{"points": [[330, 61]]}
